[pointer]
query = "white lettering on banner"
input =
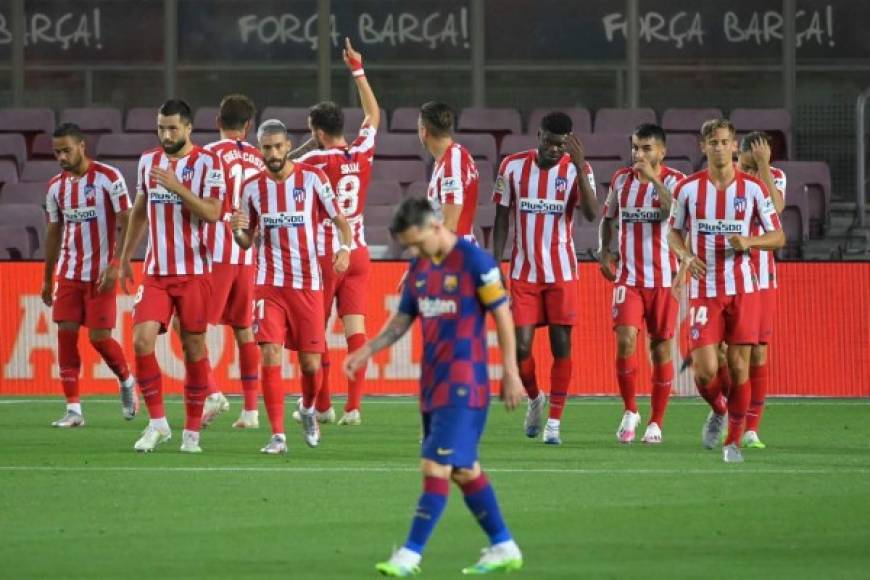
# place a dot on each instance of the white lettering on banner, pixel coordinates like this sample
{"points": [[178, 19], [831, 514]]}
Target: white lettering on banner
{"points": [[401, 364], [544, 206], [29, 339], [683, 28], [64, 30], [720, 227], [283, 219], [284, 29], [641, 214], [78, 215]]}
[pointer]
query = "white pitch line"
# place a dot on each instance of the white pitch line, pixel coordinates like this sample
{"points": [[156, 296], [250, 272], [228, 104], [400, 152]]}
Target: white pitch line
{"points": [[413, 401], [405, 469]]}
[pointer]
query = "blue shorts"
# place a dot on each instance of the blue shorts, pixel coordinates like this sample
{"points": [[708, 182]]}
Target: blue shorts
{"points": [[451, 435]]}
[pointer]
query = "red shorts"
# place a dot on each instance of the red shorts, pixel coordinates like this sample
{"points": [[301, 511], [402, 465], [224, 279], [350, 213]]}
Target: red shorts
{"points": [[186, 296], [232, 295], [538, 304], [768, 313], [655, 307], [80, 302], [733, 319], [350, 288], [290, 317]]}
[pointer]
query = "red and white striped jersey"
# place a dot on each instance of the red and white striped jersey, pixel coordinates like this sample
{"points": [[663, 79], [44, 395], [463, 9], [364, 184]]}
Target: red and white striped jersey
{"points": [[543, 202], [286, 214], [762, 260], [645, 259], [176, 246], [711, 217], [349, 171], [455, 181], [239, 161], [88, 207]]}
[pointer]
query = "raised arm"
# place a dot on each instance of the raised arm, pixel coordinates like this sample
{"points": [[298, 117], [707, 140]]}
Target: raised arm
{"points": [[370, 107], [588, 198]]}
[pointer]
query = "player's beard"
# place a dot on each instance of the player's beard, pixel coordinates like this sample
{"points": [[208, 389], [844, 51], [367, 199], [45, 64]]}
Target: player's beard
{"points": [[276, 164], [70, 164], [171, 148]]}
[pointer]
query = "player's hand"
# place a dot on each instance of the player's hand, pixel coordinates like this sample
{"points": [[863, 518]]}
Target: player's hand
{"points": [[606, 263], [511, 390], [108, 278], [47, 293], [739, 243], [677, 289], [126, 277], [644, 169], [575, 149], [351, 57], [761, 152], [696, 267], [340, 261], [240, 221], [166, 178], [356, 360]]}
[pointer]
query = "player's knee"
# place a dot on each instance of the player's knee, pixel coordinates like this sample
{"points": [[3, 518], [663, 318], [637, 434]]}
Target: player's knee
{"points": [[661, 351], [759, 355], [143, 344], [309, 366], [193, 346], [626, 342], [464, 475], [98, 335]]}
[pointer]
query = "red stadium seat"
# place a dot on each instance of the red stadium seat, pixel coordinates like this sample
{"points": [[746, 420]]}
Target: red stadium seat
{"points": [[43, 148], [203, 138], [93, 119], [688, 120], [585, 236], [30, 216], [403, 171], [386, 193], [13, 146], [141, 120], [205, 119], [126, 145], [128, 169], [486, 170], [612, 146], [294, 118], [479, 145], [417, 188], [604, 170], [14, 243], [775, 122], [28, 121], [353, 118], [399, 146], [622, 121], [515, 143], [811, 181], [581, 118], [498, 121], [686, 147], [23, 193], [680, 165], [39, 170], [8, 172], [404, 120]]}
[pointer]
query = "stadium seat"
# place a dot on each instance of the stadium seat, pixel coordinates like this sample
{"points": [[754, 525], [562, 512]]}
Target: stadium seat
{"points": [[515, 143], [498, 121], [403, 171], [14, 243], [683, 146], [612, 146], [680, 165], [353, 118], [581, 118], [30, 216], [417, 188], [604, 170], [93, 119], [399, 146], [126, 145], [484, 221], [294, 118], [8, 172], [486, 170], [622, 121], [27, 121], [387, 193], [39, 170], [43, 148], [204, 119], [775, 122], [479, 145], [13, 146], [203, 138], [810, 180], [141, 120], [688, 120], [796, 228], [23, 193], [585, 236], [128, 168], [404, 120]]}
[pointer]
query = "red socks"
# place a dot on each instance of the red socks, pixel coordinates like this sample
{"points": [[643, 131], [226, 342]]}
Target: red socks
{"points": [[323, 401], [309, 389], [355, 385], [210, 383], [662, 377], [195, 387], [69, 362], [527, 376], [249, 364], [560, 379], [724, 376], [626, 376], [113, 354], [150, 384], [713, 395], [273, 397], [758, 393], [738, 403]]}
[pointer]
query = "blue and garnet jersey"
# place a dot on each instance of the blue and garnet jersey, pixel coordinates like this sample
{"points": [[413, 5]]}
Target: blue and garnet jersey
{"points": [[452, 297]]}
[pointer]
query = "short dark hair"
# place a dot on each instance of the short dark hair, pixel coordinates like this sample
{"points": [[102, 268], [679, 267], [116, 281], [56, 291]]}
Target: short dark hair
{"points": [[710, 127], [438, 118], [328, 117], [750, 138], [413, 211], [177, 107], [68, 130], [557, 123], [650, 131], [236, 111]]}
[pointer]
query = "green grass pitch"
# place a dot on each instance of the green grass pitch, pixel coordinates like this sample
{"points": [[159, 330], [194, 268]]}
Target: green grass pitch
{"points": [[81, 504]]}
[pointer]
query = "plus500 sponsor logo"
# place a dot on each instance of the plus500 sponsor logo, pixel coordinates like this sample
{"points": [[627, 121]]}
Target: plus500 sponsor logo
{"points": [[543, 206], [432, 307], [283, 220], [720, 227], [641, 215], [80, 215]]}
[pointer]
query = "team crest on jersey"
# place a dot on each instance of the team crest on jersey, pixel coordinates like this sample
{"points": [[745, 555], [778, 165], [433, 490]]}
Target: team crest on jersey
{"points": [[420, 282], [451, 282], [187, 174], [696, 332], [298, 194], [90, 192], [739, 204], [614, 312], [561, 185]]}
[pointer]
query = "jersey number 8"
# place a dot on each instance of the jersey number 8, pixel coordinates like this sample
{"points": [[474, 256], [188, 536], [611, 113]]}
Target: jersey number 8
{"points": [[347, 190]]}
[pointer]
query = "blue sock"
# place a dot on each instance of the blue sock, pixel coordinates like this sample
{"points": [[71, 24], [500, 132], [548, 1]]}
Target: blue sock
{"points": [[481, 501], [429, 509]]}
